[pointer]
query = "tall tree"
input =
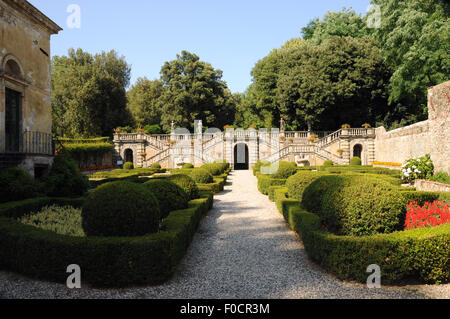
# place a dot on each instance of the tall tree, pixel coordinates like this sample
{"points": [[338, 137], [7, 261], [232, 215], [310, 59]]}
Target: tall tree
{"points": [[194, 90], [88, 93], [415, 40], [144, 101]]}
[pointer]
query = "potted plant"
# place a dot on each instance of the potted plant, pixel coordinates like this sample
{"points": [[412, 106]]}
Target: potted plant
{"points": [[340, 152], [346, 126], [313, 138], [143, 155], [282, 139], [140, 130], [366, 125], [291, 140], [171, 142]]}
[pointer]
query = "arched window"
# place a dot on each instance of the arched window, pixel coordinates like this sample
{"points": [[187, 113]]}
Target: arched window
{"points": [[12, 68]]}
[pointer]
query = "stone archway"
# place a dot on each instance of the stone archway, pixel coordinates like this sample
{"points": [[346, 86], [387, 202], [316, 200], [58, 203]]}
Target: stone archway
{"points": [[241, 157], [358, 151], [128, 156]]}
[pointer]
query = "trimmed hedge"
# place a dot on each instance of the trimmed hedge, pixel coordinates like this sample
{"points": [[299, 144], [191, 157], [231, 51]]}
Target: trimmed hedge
{"points": [[355, 161], [265, 181], [128, 166], [297, 183], [214, 169], [105, 262], [121, 209], [271, 191], [201, 176], [355, 204], [156, 166], [188, 166], [216, 187], [186, 183], [16, 185], [170, 196], [420, 253], [65, 180]]}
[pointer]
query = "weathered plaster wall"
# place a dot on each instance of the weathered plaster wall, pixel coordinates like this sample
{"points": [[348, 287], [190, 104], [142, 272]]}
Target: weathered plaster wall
{"points": [[428, 137]]}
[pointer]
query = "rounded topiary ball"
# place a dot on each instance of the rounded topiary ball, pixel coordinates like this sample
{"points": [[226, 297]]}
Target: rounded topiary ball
{"points": [[156, 166], [355, 161], [188, 166], [120, 209], [202, 176], [328, 163], [297, 183], [128, 165], [186, 183], [170, 196]]}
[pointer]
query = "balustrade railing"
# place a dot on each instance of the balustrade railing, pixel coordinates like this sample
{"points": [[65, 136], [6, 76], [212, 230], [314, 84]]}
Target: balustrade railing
{"points": [[30, 142]]}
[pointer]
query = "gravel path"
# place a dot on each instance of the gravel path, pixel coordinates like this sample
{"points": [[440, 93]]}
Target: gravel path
{"points": [[243, 249]]}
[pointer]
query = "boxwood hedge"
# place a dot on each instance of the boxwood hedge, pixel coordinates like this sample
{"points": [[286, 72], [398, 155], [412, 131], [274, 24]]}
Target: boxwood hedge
{"points": [[419, 254], [105, 261], [266, 181]]}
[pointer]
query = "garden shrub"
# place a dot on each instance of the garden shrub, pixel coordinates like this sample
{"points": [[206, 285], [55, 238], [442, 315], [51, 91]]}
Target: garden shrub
{"points": [[188, 166], [355, 161], [156, 166], [271, 192], [153, 129], [106, 262], [420, 253], [419, 197], [186, 183], [128, 166], [121, 209], [265, 181], [355, 205], [202, 176], [297, 183], [258, 165], [328, 163], [65, 180], [17, 185], [83, 150], [214, 169], [285, 170], [170, 196], [418, 168], [441, 177]]}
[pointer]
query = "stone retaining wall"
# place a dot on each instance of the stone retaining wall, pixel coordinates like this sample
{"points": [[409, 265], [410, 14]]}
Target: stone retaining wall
{"points": [[430, 186]]}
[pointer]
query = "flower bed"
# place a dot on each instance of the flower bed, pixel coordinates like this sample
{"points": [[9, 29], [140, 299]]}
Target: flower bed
{"points": [[430, 215]]}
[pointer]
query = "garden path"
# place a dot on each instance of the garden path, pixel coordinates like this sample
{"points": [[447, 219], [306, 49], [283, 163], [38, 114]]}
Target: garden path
{"points": [[243, 249]]}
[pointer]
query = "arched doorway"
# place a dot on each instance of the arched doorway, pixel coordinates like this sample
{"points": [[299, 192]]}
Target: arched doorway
{"points": [[357, 150], [241, 157], [129, 156]]}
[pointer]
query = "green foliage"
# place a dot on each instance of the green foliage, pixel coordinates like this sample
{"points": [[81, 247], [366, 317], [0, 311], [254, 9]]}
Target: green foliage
{"points": [[258, 165], [16, 185], [81, 152], [272, 190], [214, 169], [170, 196], [121, 209], [106, 262], [297, 183], [65, 180], [328, 163], [88, 93], [420, 197], [188, 166], [202, 176], [156, 166], [144, 103], [128, 166], [418, 168], [285, 170], [186, 183], [355, 161], [266, 181], [126, 173], [440, 177], [61, 220], [194, 90], [355, 205], [96, 140]]}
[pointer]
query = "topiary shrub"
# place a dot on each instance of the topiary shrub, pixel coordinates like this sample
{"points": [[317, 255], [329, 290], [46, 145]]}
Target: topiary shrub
{"points": [[202, 176], [328, 163], [186, 183], [120, 209], [297, 183], [156, 166], [16, 185], [355, 205], [170, 196], [128, 166], [355, 161], [214, 169], [65, 180], [188, 166], [285, 170]]}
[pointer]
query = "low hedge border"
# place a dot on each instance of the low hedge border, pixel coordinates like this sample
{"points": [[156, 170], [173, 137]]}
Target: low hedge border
{"points": [[216, 187], [266, 181], [105, 262], [420, 253]]}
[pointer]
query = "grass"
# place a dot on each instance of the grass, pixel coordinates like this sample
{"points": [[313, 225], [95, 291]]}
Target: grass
{"points": [[441, 177], [61, 220]]}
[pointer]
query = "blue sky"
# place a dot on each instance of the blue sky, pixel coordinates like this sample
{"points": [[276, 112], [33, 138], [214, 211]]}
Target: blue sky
{"points": [[232, 35]]}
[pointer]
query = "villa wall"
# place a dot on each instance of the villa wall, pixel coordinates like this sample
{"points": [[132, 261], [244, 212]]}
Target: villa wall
{"points": [[428, 137]]}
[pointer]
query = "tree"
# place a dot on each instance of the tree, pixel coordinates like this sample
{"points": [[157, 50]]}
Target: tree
{"points": [[88, 93], [415, 40], [194, 90], [246, 112], [344, 23], [144, 101]]}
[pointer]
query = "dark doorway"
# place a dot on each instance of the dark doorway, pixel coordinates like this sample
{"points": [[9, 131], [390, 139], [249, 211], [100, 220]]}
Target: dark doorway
{"points": [[13, 117], [241, 157], [129, 156], [357, 150]]}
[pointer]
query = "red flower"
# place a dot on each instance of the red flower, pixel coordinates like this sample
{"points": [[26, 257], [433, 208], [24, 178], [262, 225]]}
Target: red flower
{"points": [[430, 215]]}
